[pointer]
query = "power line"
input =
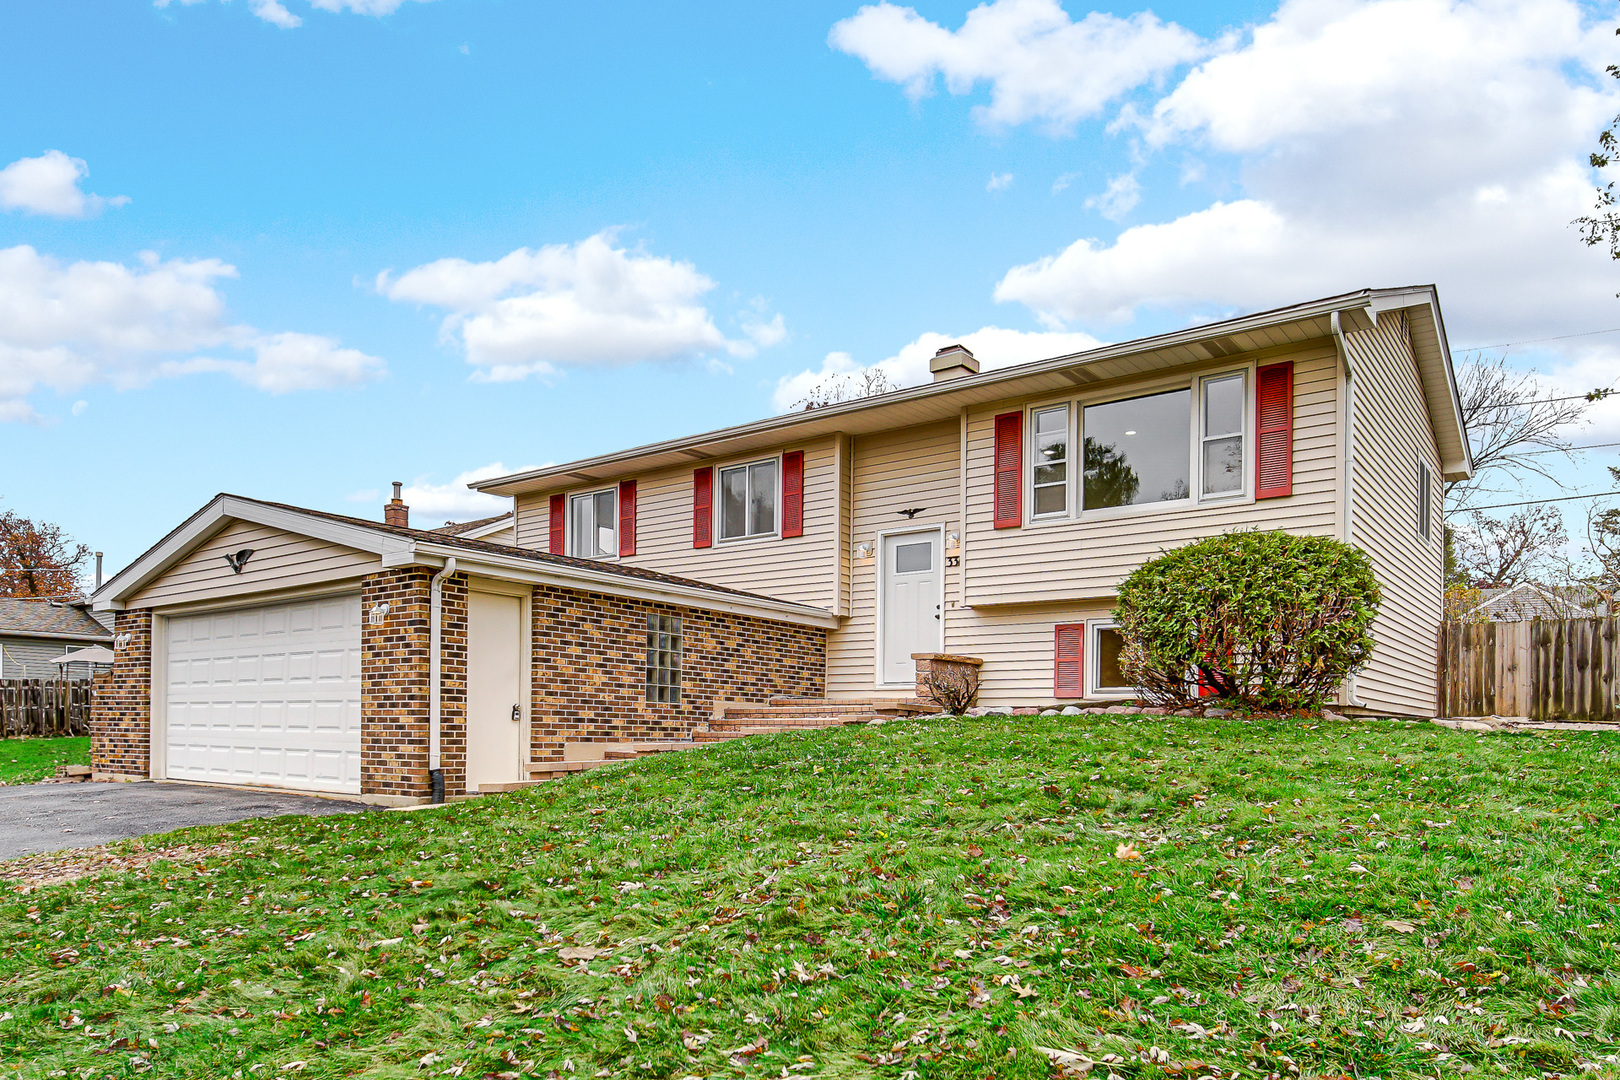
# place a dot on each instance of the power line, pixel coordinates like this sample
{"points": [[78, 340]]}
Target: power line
{"points": [[1591, 395], [1534, 502], [1539, 340], [1568, 449]]}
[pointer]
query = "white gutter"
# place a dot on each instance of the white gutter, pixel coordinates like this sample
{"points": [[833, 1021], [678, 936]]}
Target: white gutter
{"points": [[435, 606], [1349, 467]]}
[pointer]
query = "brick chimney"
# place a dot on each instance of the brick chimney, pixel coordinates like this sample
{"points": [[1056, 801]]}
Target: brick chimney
{"points": [[953, 362], [396, 512]]}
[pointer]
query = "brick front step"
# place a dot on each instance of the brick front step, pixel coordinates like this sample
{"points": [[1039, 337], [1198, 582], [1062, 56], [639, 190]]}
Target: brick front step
{"points": [[910, 705]]}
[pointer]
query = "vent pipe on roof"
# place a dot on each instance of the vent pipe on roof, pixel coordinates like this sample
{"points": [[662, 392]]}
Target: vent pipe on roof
{"points": [[953, 362], [98, 569], [396, 512]]}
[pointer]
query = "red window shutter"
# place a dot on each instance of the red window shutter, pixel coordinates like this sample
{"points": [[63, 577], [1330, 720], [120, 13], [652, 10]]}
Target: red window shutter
{"points": [[1068, 639], [793, 493], [1274, 442], [702, 507], [1009, 470], [557, 525], [627, 518]]}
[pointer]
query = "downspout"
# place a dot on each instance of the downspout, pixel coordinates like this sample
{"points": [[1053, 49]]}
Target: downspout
{"points": [[435, 607], [1349, 467]]}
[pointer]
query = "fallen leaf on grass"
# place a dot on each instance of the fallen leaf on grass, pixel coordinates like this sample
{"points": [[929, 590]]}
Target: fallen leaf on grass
{"points": [[1067, 1062], [581, 952], [1127, 851], [1400, 926]]}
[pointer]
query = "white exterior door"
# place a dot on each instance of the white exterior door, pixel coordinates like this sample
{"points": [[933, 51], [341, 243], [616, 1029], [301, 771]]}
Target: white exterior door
{"points": [[910, 598], [494, 689], [266, 695]]}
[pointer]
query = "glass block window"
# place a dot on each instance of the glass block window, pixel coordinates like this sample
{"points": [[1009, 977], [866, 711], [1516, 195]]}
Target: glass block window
{"points": [[664, 659]]}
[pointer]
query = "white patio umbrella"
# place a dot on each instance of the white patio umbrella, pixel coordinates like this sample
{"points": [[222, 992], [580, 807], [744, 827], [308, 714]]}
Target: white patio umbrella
{"points": [[95, 654]]}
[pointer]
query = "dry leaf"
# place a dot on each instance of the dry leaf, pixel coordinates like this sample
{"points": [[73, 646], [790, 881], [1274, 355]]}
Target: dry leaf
{"points": [[581, 952], [1127, 851], [1400, 926]]}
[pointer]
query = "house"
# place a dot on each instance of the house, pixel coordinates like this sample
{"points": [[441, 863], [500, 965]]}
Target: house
{"points": [[496, 529], [33, 633], [829, 554], [1529, 600]]}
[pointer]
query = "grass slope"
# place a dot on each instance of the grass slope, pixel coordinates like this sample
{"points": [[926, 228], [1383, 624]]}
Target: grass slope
{"points": [[28, 761], [1161, 897]]}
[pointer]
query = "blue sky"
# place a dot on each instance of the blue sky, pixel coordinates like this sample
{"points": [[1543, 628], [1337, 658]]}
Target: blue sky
{"points": [[417, 240]]}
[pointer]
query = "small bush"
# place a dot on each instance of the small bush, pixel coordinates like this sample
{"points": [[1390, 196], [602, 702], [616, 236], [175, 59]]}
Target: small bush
{"points": [[1264, 620], [954, 689]]}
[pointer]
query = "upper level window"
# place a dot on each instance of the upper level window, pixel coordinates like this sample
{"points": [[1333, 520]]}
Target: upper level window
{"points": [[1425, 498], [1050, 460], [1138, 450], [1224, 412], [593, 525], [748, 500]]}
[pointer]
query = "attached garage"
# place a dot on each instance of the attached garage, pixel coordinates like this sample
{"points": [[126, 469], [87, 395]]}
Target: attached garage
{"points": [[267, 695]]}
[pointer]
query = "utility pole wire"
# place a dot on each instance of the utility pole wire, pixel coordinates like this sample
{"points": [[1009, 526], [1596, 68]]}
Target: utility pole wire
{"points": [[1537, 341], [1534, 502]]}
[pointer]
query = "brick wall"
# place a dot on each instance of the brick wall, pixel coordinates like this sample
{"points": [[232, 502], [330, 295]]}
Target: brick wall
{"points": [[121, 714], [453, 684], [394, 682], [590, 657]]}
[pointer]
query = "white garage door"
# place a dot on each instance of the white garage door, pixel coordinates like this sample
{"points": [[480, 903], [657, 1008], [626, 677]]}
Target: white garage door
{"points": [[267, 695]]}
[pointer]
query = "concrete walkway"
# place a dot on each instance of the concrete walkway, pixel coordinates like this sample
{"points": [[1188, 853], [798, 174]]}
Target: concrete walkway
{"points": [[49, 817]]}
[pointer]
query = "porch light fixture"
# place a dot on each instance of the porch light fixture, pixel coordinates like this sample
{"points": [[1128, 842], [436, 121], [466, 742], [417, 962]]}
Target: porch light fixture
{"points": [[863, 550], [953, 543], [377, 614], [121, 641]]}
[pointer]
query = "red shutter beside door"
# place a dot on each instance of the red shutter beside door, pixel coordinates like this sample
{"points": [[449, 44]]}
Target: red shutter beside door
{"points": [[1068, 639], [1274, 441], [702, 507], [793, 493], [1009, 484], [627, 518], [557, 525]]}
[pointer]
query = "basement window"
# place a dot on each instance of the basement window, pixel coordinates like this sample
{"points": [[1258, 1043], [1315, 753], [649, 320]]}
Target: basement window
{"points": [[664, 659]]}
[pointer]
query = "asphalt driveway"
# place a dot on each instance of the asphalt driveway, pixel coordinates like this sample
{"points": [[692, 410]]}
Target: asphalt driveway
{"points": [[49, 817]]}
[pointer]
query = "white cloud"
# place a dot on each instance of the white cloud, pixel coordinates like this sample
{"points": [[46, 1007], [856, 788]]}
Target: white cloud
{"points": [[992, 346], [79, 407], [49, 185], [432, 503], [593, 303], [276, 13], [70, 325], [1062, 183], [1040, 64], [999, 181], [1384, 143], [1118, 198]]}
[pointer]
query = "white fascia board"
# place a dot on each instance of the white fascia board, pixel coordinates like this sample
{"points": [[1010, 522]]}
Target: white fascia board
{"points": [[207, 521], [579, 579], [13, 635]]}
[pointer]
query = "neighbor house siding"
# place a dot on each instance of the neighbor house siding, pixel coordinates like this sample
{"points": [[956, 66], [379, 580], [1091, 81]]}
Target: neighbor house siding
{"points": [[1086, 558], [907, 469], [30, 658], [1392, 435], [280, 560], [801, 569]]}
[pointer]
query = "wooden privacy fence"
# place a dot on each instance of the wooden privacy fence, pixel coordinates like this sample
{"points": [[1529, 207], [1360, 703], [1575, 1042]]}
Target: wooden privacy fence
{"points": [[44, 707], [1546, 669]]}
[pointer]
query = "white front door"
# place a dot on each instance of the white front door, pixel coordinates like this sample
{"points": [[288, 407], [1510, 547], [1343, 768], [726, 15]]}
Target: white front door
{"points": [[910, 615], [266, 695], [495, 686]]}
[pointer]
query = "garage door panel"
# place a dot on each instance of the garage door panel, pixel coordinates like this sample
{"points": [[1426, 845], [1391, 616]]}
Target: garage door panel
{"points": [[267, 696]]}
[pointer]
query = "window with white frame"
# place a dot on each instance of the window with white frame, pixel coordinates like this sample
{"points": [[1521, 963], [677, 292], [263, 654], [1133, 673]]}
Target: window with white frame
{"points": [[1103, 671], [664, 659], [1224, 416], [1425, 499], [748, 500], [1050, 430], [593, 525], [1137, 450]]}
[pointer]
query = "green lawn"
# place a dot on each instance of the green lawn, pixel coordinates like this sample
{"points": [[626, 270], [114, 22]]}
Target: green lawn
{"points": [[1160, 897], [27, 761]]}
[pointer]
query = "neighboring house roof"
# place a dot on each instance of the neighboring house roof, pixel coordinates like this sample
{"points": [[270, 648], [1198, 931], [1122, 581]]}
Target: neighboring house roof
{"points": [[50, 619], [478, 528], [1528, 600], [401, 546], [1316, 320]]}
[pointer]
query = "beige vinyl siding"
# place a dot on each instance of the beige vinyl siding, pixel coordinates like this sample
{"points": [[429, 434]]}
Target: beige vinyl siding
{"points": [[1016, 645], [280, 561], [1392, 434], [1083, 558], [914, 467], [801, 569]]}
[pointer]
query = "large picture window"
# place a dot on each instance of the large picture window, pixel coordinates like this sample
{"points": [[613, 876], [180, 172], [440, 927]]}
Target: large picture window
{"points": [[1138, 450], [1051, 461], [664, 659], [593, 525], [1224, 415], [748, 500]]}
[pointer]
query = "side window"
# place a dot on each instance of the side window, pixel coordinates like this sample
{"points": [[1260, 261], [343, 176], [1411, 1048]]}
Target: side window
{"points": [[1049, 463], [1105, 646], [593, 525], [664, 659], [1223, 415], [748, 500], [1425, 498]]}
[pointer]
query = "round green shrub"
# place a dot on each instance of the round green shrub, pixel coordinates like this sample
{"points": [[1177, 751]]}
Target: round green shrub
{"points": [[1265, 620]]}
